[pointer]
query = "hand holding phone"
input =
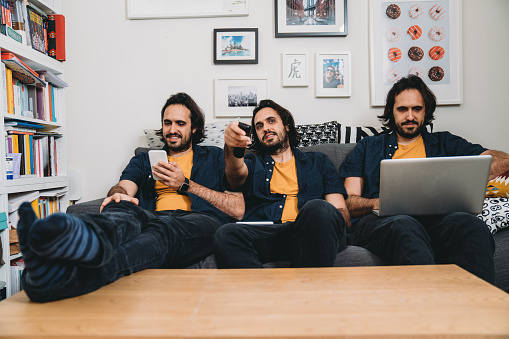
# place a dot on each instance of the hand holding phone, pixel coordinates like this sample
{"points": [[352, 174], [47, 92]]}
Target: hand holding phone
{"points": [[239, 152], [155, 156]]}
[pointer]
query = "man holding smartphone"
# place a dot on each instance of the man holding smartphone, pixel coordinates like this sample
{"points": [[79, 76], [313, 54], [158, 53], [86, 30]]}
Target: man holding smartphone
{"points": [[144, 223], [299, 193]]}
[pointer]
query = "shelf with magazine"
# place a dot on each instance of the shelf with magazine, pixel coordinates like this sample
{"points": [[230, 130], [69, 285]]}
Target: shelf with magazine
{"points": [[33, 150]]}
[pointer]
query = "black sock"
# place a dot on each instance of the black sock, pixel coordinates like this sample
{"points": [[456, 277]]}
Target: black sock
{"points": [[64, 236], [39, 271]]}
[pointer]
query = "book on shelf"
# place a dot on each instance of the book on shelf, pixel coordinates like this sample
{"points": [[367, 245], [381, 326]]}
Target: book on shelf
{"points": [[3, 90], [52, 78], [56, 36], [36, 24], [12, 123], [16, 267], [21, 71], [54, 193], [9, 92], [16, 199], [18, 18]]}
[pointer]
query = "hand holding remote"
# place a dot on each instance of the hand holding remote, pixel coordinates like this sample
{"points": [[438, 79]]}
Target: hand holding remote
{"points": [[239, 152]]}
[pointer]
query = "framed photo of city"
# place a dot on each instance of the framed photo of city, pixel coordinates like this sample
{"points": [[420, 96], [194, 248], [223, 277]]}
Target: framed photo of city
{"points": [[295, 70], [159, 9], [310, 18], [333, 74], [237, 97], [236, 46], [421, 38]]}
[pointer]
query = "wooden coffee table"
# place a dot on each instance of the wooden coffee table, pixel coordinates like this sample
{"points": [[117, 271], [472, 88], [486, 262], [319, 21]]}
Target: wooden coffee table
{"points": [[388, 301]]}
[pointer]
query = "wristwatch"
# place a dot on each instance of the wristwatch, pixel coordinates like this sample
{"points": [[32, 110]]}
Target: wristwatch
{"points": [[184, 187]]}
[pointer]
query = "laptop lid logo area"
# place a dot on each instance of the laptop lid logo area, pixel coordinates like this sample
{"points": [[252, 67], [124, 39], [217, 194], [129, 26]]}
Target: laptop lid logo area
{"points": [[428, 186]]}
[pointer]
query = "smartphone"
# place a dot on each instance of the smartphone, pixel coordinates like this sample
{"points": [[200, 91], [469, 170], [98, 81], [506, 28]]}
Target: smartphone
{"points": [[155, 156], [239, 152]]}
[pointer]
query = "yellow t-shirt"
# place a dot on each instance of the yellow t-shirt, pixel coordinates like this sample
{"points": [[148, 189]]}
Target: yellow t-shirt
{"points": [[284, 181], [169, 199], [414, 150]]}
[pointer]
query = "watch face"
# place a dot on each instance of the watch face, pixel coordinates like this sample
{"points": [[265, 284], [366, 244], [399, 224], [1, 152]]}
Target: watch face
{"points": [[185, 186]]}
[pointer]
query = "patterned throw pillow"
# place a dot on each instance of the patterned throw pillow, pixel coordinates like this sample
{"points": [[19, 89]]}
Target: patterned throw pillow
{"points": [[498, 187], [314, 134], [349, 134], [495, 213], [153, 139], [214, 133]]}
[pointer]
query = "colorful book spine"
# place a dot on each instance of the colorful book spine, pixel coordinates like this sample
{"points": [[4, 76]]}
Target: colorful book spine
{"points": [[10, 91], [56, 36]]}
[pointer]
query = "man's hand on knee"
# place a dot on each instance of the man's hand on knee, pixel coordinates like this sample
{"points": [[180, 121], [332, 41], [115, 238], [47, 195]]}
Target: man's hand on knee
{"points": [[117, 197]]}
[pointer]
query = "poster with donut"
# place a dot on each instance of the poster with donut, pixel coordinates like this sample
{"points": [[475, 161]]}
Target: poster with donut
{"points": [[417, 37], [416, 40]]}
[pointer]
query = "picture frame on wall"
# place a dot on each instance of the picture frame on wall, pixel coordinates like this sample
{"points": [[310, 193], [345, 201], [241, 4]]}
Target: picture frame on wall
{"points": [[150, 9], [310, 18], [236, 46], [333, 74], [294, 70], [422, 38], [237, 97]]}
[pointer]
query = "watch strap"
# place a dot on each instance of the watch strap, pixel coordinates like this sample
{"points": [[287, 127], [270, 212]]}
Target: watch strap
{"points": [[185, 186]]}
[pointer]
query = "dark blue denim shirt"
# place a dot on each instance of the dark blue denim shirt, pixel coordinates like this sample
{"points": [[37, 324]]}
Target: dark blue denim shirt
{"points": [[316, 176], [364, 160], [208, 170]]}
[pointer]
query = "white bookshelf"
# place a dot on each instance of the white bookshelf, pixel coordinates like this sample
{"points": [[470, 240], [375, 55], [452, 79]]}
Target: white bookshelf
{"points": [[37, 61]]}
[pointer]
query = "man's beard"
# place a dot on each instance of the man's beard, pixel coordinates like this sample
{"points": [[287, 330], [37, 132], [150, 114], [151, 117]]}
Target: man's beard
{"points": [[278, 146], [185, 143], [409, 134]]}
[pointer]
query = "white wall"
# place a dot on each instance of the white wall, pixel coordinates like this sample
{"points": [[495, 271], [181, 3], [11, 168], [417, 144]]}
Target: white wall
{"points": [[121, 72]]}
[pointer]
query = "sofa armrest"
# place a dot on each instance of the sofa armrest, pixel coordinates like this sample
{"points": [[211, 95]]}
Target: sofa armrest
{"points": [[92, 206]]}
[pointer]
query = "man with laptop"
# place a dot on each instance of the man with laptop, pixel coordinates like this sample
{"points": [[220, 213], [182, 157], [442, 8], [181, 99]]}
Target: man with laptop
{"points": [[449, 233]]}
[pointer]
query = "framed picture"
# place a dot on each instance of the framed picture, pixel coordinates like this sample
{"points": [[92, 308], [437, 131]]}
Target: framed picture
{"points": [[295, 70], [301, 18], [419, 37], [157, 9], [236, 46], [333, 74], [237, 97]]}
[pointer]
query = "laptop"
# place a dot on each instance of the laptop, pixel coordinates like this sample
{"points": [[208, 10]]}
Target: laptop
{"points": [[428, 186]]}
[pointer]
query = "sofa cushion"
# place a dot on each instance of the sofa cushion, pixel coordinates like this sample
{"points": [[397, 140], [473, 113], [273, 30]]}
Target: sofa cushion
{"points": [[337, 153], [498, 187], [315, 134], [153, 139], [348, 134], [214, 133], [495, 213]]}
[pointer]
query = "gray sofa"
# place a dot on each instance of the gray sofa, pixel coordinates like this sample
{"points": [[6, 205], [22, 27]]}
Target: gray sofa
{"points": [[353, 255]]}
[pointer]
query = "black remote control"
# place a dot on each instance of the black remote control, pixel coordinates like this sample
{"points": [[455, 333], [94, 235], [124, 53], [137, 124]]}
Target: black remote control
{"points": [[239, 152]]}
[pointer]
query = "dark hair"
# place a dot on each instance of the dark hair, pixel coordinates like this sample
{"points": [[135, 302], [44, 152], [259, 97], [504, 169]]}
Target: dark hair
{"points": [[286, 117], [197, 116], [410, 82]]}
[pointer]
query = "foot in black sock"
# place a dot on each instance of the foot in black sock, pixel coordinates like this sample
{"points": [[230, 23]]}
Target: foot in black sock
{"points": [[40, 272], [64, 236]]}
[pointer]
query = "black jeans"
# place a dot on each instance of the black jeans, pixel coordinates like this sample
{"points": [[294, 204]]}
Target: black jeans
{"points": [[134, 239], [457, 238], [313, 240]]}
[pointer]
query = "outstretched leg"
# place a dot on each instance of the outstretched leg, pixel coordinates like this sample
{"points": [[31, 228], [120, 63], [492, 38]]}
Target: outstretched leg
{"points": [[38, 271], [64, 236]]}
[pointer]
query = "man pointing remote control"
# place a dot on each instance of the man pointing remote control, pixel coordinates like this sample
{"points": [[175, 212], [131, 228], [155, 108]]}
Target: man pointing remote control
{"points": [[299, 192]]}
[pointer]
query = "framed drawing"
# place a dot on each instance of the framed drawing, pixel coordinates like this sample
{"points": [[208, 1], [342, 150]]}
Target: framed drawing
{"points": [[301, 18], [158, 9], [419, 37], [237, 97], [236, 46], [295, 70], [333, 74]]}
